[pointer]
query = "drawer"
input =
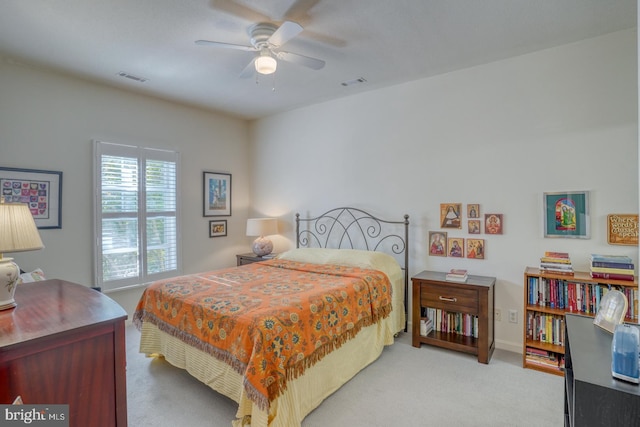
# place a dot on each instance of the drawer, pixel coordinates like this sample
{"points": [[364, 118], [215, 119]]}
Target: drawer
{"points": [[450, 298]]}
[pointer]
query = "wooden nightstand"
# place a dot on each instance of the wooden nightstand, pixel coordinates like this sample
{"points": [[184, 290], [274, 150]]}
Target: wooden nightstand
{"points": [[469, 303], [248, 258]]}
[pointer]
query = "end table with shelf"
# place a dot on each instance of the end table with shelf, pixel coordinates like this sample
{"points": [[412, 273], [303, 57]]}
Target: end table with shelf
{"points": [[472, 300], [248, 258]]}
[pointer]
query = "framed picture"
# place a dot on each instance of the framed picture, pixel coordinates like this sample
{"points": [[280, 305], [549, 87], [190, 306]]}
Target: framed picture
{"points": [[218, 228], [450, 215], [475, 226], [566, 214], [437, 243], [456, 247], [493, 223], [473, 210], [622, 229], [216, 195], [475, 248], [40, 189]]}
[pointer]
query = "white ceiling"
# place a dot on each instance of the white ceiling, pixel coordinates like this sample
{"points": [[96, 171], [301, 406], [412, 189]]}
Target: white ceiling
{"points": [[385, 41]]}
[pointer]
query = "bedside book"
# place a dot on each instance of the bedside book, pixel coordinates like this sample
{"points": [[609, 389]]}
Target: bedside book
{"points": [[457, 275]]}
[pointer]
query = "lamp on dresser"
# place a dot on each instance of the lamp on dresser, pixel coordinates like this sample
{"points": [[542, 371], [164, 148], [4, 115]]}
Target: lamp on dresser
{"points": [[18, 233], [262, 227]]}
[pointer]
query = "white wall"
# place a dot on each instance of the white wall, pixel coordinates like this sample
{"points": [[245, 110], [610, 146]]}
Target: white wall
{"points": [[499, 135], [47, 121]]}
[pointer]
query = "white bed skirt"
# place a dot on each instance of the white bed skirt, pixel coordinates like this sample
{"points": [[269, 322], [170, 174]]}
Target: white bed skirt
{"points": [[301, 396]]}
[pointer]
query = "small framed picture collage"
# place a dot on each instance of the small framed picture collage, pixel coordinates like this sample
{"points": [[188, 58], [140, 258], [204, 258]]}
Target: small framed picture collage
{"points": [[452, 216]]}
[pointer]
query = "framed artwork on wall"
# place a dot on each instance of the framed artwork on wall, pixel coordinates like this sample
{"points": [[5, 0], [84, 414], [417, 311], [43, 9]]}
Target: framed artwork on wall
{"points": [[437, 243], [493, 223], [456, 247], [474, 226], [473, 210], [40, 189], [216, 197], [566, 214], [450, 214], [218, 228], [475, 248]]}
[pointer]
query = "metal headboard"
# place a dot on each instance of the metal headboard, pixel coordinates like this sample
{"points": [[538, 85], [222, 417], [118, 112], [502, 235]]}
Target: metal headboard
{"points": [[352, 228]]}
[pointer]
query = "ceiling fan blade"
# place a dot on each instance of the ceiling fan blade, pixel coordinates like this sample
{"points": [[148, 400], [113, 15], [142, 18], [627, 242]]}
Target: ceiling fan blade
{"points": [[239, 10], [248, 70], [284, 33], [306, 61], [226, 45]]}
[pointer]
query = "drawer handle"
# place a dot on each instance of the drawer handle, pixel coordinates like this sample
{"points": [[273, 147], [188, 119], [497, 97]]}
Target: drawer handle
{"points": [[448, 299]]}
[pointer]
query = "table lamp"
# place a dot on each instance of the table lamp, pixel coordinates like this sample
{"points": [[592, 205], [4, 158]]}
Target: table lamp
{"points": [[18, 233], [262, 227]]}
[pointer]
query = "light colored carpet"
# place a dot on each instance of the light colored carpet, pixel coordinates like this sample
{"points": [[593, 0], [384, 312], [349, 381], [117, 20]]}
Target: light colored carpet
{"points": [[406, 386]]}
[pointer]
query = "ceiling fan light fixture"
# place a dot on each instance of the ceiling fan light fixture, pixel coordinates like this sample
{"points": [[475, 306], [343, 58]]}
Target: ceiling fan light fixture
{"points": [[265, 63]]}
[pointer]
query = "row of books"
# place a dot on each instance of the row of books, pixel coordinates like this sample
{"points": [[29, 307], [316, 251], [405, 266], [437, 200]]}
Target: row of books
{"points": [[618, 267], [545, 358], [546, 328], [453, 322], [574, 296], [457, 275], [557, 263]]}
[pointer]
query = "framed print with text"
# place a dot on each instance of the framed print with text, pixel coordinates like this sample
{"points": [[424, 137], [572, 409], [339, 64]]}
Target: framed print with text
{"points": [[216, 197], [40, 189], [566, 214]]}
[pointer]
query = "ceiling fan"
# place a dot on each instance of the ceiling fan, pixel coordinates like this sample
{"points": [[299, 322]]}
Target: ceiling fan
{"points": [[266, 41]]}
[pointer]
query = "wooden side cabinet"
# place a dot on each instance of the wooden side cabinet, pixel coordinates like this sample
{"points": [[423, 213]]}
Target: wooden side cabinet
{"points": [[464, 313], [250, 257], [64, 344], [592, 397]]}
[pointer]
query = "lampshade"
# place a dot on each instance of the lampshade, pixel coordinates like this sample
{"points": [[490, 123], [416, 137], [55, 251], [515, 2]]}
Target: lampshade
{"points": [[262, 227], [18, 233], [265, 63]]}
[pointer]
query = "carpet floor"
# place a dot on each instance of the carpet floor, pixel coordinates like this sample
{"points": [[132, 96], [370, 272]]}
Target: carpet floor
{"points": [[406, 386]]}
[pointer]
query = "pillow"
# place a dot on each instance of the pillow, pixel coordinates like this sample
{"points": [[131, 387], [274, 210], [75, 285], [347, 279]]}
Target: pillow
{"points": [[34, 276], [350, 257]]}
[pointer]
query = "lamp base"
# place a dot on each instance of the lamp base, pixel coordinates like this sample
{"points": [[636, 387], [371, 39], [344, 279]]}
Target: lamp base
{"points": [[262, 246], [9, 273]]}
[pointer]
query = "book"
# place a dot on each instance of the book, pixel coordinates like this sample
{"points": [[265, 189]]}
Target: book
{"points": [[604, 264], [456, 275], [611, 258], [614, 276], [611, 270], [555, 260], [558, 266], [557, 254]]}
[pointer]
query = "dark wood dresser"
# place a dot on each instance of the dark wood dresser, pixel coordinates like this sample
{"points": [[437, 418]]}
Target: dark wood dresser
{"points": [[65, 344]]}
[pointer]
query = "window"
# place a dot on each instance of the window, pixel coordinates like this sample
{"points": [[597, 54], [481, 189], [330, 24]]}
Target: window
{"points": [[136, 215]]}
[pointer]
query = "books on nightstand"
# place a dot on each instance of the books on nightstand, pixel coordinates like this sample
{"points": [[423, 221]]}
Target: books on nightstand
{"points": [[556, 263], [457, 275], [618, 267]]}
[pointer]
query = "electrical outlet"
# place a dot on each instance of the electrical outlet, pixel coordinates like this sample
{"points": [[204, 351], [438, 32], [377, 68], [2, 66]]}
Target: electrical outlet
{"points": [[513, 316], [497, 315]]}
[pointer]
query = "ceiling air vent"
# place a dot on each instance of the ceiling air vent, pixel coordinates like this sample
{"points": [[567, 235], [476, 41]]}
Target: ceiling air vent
{"points": [[354, 81], [132, 77]]}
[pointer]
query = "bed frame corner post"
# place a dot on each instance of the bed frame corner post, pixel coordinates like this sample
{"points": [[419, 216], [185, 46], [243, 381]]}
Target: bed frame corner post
{"points": [[297, 230], [406, 272]]}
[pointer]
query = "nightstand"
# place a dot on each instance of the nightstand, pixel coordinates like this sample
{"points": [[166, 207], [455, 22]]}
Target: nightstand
{"points": [[248, 258]]}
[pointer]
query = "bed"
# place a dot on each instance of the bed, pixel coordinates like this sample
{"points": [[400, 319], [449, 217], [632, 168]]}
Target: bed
{"points": [[281, 335]]}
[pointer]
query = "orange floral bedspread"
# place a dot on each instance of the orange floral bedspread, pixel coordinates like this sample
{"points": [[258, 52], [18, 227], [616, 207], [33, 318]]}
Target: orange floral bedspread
{"points": [[268, 320]]}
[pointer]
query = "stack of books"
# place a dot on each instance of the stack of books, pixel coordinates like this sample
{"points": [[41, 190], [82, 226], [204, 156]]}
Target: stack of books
{"points": [[457, 275], [556, 263], [618, 267]]}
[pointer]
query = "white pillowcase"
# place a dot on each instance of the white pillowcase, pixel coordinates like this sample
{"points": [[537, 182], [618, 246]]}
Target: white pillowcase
{"points": [[349, 257]]}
